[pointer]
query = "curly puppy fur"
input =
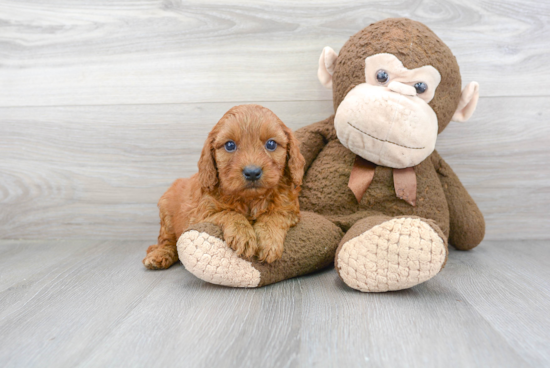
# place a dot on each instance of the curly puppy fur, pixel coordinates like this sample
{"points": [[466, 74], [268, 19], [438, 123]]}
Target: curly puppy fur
{"points": [[254, 215]]}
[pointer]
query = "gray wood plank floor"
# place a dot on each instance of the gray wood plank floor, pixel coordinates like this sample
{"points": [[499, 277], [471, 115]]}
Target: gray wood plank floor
{"points": [[66, 303]]}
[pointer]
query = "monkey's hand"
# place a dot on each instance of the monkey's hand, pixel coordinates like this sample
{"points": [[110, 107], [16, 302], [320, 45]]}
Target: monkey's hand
{"points": [[313, 138], [467, 226]]}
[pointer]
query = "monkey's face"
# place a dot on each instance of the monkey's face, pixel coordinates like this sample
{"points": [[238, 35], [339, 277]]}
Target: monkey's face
{"points": [[387, 119], [395, 85]]}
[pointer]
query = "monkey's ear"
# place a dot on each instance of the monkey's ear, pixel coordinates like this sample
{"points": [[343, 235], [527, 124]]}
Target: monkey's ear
{"points": [[467, 103], [208, 173], [326, 66]]}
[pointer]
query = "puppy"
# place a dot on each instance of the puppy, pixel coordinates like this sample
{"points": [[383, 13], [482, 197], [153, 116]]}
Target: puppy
{"points": [[249, 178]]}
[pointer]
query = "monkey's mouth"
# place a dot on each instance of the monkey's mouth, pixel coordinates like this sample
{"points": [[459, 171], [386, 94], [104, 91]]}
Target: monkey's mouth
{"points": [[382, 140]]}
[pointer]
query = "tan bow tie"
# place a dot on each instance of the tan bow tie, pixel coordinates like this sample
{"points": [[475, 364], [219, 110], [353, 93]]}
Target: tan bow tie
{"points": [[362, 173]]}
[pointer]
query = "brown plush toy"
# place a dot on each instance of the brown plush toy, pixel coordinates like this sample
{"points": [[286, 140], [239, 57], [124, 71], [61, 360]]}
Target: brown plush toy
{"points": [[376, 199]]}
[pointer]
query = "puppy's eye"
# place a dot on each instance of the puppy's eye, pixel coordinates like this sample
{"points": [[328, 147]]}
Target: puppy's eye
{"points": [[382, 76], [270, 145], [420, 87], [230, 146]]}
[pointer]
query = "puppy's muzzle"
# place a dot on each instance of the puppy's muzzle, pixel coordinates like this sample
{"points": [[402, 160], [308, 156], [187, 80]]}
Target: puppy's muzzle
{"points": [[252, 173]]}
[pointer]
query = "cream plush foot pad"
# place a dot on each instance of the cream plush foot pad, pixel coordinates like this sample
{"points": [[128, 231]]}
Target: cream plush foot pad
{"points": [[211, 260], [397, 254]]}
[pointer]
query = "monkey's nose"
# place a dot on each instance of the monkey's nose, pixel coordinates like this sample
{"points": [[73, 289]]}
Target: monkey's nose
{"points": [[402, 88], [252, 173]]}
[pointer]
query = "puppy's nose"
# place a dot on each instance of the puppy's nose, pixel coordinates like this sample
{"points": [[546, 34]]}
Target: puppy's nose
{"points": [[252, 173]]}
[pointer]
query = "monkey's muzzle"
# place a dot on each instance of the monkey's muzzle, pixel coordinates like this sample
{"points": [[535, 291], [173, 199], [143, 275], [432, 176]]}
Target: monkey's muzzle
{"points": [[385, 127]]}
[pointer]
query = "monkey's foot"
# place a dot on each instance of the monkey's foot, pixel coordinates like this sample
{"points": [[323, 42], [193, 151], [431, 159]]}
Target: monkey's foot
{"points": [[308, 247], [210, 259], [393, 255]]}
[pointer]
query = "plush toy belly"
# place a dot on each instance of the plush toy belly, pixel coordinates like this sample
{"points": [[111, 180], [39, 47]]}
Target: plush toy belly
{"points": [[338, 203]]}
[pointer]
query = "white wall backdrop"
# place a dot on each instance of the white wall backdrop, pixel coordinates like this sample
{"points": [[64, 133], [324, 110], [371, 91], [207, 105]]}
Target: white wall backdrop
{"points": [[104, 103]]}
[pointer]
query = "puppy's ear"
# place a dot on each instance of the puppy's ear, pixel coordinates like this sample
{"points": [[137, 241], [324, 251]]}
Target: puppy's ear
{"points": [[208, 173], [295, 160]]}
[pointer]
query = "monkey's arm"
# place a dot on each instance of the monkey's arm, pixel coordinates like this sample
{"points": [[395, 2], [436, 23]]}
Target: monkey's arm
{"points": [[467, 223], [313, 138]]}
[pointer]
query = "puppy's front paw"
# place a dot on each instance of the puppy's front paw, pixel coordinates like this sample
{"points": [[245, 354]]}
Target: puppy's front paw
{"points": [[271, 253], [159, 258], [241, 238], [270, 244]]}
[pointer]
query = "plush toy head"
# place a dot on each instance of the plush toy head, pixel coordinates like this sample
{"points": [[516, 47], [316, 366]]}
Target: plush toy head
{"points": [[396, 86]]}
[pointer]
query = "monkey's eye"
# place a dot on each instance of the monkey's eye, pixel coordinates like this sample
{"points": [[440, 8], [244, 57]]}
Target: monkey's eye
{"points": [[382, 76], [420, 87], [270, 145], [230, 146]]}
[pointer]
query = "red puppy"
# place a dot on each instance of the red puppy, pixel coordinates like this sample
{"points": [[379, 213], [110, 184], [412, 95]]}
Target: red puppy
{"points": [[250, 172]]}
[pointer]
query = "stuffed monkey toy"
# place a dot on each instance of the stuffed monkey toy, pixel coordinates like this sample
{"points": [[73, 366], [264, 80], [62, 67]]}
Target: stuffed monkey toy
{"points": [[376, 199]]}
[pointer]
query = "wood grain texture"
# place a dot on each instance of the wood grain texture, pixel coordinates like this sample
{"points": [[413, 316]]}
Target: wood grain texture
{"points": [[142, 52], [98, 171], [98, 306]]}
